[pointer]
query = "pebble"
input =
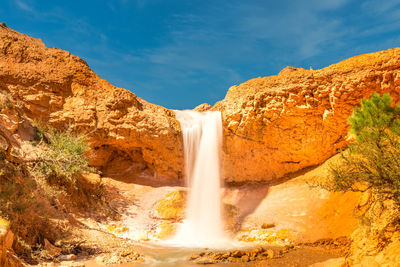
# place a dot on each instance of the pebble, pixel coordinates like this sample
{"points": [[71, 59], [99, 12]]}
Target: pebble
{"points": [[69, 257], [270, 253]]}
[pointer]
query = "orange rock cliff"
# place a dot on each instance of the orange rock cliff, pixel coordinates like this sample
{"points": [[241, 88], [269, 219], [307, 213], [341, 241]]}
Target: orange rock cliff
{"points": [[273, 126], [281, 124], [128, 135]]}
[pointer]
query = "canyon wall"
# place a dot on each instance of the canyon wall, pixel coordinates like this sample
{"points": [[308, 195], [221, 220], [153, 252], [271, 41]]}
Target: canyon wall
{"points": [[281, 124], [273, 126], [129, 136]]}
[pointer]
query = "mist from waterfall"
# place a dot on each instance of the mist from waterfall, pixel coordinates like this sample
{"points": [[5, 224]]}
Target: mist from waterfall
{"points": [[202, 138]]}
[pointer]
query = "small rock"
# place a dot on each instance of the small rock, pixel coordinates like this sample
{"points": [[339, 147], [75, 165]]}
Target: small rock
{"points": [[237, 253], [69, 257], [125, 253], [364, 199], [51, 249], [193, 257], [256, 250], [205, 261], [3, 24], [203, 107], [226, 255], [270, 253], [216, 256], [267, 225], [245, 258]]}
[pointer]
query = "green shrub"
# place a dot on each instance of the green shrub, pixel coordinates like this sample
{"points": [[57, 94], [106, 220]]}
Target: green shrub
{"points": [[38, 135], [35, 194], [374, 157], [64, 156]]}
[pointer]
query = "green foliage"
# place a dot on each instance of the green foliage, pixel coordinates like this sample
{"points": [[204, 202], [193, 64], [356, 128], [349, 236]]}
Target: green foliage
{"points": [[39, 132], [14, 192], [64, 156], [36, 194], [375, 119], [374, 158]]}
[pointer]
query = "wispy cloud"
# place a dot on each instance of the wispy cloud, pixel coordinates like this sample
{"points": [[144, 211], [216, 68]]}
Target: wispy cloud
{"points": [[196, 52], [380, 7], [24, 6], [203, 43]]}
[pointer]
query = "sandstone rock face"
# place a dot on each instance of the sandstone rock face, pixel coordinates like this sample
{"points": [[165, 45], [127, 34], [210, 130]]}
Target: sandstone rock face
{"points": [[295, 211], [281, 124], [378, 242], [127, 134], [203, 107], [272, 126]]}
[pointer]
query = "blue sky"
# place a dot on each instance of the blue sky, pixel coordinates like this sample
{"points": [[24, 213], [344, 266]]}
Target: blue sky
{"points": [[179, 54]]}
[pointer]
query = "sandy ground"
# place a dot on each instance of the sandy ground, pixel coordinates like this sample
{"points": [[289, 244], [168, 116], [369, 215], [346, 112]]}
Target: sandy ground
{"points": [[292, 204], [311, 212]]}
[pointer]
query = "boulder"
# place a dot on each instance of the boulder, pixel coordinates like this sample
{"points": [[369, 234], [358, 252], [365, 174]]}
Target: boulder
{"points": [[172, 206], [203, 107]]}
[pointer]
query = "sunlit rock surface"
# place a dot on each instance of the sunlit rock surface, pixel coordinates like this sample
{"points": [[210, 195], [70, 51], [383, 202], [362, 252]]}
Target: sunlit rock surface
{"points": [[172, 206], [272, 126], [294, 209], [6, 240], [203, 107], [129, 136], [281, 124]]}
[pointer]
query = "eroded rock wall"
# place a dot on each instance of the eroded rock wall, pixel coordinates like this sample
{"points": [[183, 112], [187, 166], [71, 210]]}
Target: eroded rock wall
{"points": [[281, 124], [58, 88], [273, 126]]}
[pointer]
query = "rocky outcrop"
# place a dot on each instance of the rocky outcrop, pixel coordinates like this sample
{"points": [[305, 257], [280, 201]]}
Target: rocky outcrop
{"points": [[272, 126], [128, 135], [377, 241], [203, 107], [281, 124]]}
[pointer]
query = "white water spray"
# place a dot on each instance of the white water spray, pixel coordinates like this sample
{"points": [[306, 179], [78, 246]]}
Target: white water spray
{"points": [[202, 134]]}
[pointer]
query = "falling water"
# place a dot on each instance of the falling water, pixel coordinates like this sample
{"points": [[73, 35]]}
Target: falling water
{"points": [[203, 226]]}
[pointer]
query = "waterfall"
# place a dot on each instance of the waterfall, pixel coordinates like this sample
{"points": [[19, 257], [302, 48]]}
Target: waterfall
{"points": [[202, 134]]}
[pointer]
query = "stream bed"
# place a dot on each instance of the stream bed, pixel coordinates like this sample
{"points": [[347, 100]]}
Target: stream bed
{"points": [[163, 256]]}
